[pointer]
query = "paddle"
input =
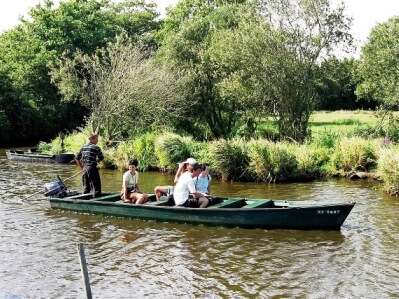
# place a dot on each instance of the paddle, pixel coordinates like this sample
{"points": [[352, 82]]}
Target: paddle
{"points": [[44, 191]]}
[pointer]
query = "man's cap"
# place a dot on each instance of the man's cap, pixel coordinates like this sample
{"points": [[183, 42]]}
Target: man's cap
{"points": [[190, 161]]}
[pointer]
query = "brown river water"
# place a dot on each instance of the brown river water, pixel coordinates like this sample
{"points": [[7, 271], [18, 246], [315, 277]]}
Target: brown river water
{"points": [[130, 258]]}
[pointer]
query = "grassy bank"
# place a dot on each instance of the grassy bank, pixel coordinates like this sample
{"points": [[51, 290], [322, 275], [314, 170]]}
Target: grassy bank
{"points": [[334, 149]]}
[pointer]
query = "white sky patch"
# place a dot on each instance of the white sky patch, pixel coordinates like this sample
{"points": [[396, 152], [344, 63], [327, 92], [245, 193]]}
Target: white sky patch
{"points": [[365, 13]]}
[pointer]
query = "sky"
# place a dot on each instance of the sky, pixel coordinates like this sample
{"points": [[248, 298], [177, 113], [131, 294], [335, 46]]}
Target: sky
{"points": [[365, 13]]}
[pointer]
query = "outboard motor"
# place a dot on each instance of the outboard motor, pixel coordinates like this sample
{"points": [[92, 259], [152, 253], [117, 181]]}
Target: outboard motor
{"points": [[55, 189]]}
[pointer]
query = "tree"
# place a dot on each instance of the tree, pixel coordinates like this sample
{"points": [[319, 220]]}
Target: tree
{"points": [[246, 59], [336, 84], [378, 68], [301, 33], [28, 51], [122, 88]]}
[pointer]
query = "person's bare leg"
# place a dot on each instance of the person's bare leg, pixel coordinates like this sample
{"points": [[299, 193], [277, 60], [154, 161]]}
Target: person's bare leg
{"points": [[203, 201], [141, 198], [159, 191]]}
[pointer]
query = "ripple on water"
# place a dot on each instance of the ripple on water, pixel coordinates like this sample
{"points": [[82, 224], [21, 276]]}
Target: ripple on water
{"points": [[132, 258]]}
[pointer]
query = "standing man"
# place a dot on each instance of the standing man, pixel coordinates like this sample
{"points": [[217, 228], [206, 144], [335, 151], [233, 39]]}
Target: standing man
{"points": [[87, 159]]}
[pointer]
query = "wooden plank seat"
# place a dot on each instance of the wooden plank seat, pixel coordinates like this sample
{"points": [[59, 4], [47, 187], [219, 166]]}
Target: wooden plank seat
{"points": [[230, 203], [110, 197], [260, 204], [161, 202]]}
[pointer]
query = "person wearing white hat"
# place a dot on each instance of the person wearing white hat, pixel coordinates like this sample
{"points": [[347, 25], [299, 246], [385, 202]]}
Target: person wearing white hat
{"points": [[186, 165], [185, 194]]}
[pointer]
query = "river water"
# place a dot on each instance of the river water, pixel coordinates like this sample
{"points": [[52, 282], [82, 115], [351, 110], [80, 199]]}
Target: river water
{"points": [[134, 258]]}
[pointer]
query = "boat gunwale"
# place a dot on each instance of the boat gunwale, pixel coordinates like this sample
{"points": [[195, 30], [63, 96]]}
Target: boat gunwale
{"points": [[144, 206]]}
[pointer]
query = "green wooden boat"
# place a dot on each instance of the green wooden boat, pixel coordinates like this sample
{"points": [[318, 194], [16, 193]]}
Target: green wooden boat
{"points": [[242, 212]]}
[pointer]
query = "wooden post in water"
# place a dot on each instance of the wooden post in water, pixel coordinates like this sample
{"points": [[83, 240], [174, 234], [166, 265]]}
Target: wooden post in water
{"points": [[85, 273]]}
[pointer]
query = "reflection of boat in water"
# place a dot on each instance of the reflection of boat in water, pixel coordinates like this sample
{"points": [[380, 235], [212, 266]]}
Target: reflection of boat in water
{"points": [[242, 212], [33, 156]]}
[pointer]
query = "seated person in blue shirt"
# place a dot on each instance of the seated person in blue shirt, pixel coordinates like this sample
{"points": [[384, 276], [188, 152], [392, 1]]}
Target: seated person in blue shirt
{"points": [[202, 182]]}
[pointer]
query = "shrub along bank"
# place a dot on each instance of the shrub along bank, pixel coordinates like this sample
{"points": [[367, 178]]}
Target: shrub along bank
{"points": [[253, 160]]}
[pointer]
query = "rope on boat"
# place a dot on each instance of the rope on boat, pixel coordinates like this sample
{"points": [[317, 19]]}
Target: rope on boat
{"points": [[43, 191]]}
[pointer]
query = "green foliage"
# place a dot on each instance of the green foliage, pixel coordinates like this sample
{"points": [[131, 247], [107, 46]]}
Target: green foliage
{"points": [[227, 158], [336, 85], [74, 141], [355, 153], [269, 59], [44, 147], [117, 83], [171, 149], [28, 50], [388, 169], [189, 38], [123, 153], [326, 139], [144, 150], [378, 71], [272, 162], [312, 161]]}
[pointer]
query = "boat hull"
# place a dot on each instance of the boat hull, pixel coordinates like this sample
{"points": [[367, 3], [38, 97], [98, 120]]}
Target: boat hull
{"points": [[323, 217], [40, 158]]}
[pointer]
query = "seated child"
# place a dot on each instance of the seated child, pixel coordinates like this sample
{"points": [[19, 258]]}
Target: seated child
{"points": [[202, 181], [130, 188]]}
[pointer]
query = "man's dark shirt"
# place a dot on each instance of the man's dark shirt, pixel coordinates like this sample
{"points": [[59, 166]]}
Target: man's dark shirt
{"points": [[90, 154]]}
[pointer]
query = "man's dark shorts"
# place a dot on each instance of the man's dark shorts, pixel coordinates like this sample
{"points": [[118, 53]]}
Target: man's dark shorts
{"points": [[191, 203]]}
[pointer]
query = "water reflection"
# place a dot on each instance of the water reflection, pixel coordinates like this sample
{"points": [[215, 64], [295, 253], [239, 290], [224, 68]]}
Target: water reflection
{"points": [[135, 258]]}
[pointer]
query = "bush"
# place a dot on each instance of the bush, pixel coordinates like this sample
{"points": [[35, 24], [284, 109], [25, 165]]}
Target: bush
{"points": [[272, 162], [228, 159], [143, 149], [44, 147], [353, 154], [326, 139], [388, 169], [170, 149], [123, 153], [312, 161], [109, 159], [54, 147], [73, 142]]}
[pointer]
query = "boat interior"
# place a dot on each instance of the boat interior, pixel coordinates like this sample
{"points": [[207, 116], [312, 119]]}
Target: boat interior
{"points": [[216, 202]]}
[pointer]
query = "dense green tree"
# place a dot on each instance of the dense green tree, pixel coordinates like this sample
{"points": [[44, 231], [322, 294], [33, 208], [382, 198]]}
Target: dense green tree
{"points": [[378, 68], [122, 88], [257, 58], [187, 41], [30, 50], [336, 85]]}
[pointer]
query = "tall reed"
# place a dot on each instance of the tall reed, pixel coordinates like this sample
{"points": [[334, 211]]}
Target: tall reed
{"points": [[388, 169], [171, 149], [271, 161]]}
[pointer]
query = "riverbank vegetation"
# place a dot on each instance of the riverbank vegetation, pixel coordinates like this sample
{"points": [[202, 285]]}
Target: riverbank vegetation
{"points": [[233, 83]]}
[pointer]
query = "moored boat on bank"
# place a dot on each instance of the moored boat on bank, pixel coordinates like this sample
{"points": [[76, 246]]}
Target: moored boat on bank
{"points": [[241, 212], [32, 156]]}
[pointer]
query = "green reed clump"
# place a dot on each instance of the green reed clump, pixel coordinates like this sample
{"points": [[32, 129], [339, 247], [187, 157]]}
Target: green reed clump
{"points": [[44, 147], [144, 151], [388, 169], [109, 158], [353, 154], [73, 142], [312, 161], [53, 147], [122, 154], [271, 162], [228, 159], [326, 138], [171, 149]]}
